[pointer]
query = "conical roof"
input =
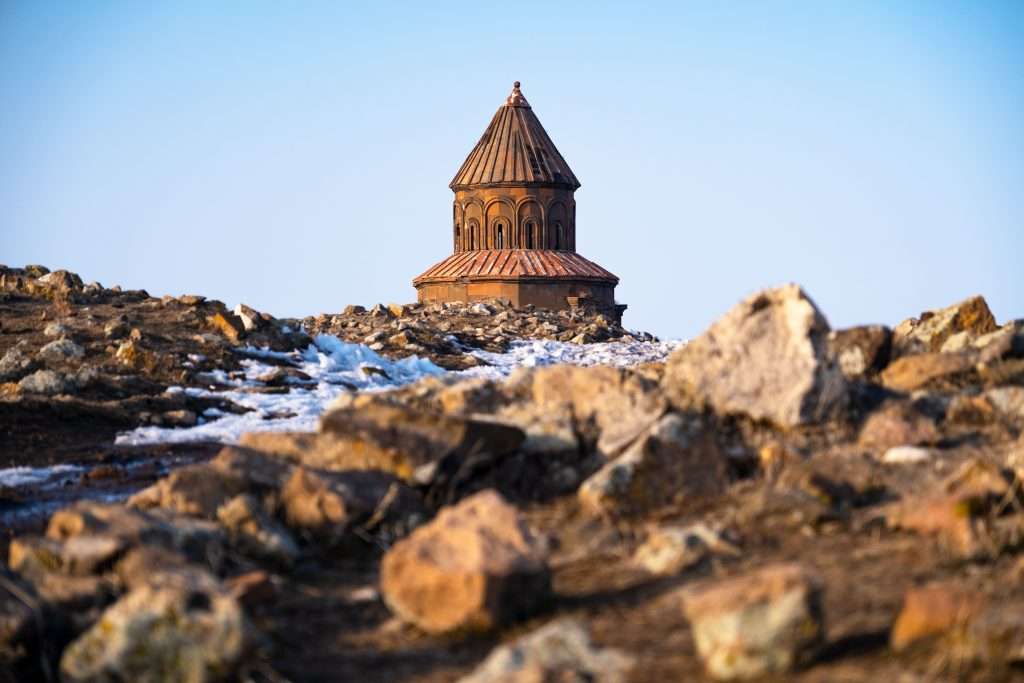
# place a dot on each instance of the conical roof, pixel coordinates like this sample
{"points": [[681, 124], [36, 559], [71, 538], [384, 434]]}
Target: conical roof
{"points": [[514, 149]]}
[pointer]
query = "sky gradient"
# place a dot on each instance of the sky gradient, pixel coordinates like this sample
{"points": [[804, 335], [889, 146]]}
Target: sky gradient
{"points": [[296, 156]]}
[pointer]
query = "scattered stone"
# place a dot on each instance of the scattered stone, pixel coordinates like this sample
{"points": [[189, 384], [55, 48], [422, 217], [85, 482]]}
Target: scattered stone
{"points": [[46, 382], [61, 351], [255, 532], [677, 458], [181, 626], [380, 311], [766, 358], [116, 329], [353, 309], [476, 566], [767, 621], [906, 455], [191, 299], [251, 318], [56, 330], [930, 331], [16, 363], [228, 324], [861, 350], [670, 550], [897, 423], [934, 610], [558, 651]]}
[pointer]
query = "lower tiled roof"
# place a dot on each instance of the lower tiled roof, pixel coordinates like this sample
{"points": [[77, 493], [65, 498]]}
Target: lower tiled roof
{"points": [[489, 264]]}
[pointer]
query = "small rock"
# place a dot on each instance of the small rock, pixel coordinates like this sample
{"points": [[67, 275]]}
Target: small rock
{"points": [[61, 351], [861, 350], [56, 330], [353, 309], [16, 363], [255, 532], [558, 651], [398, 310], [228, 324], [181, 626], [767, 621], [191, 299], [906, 455], [250, 317], [897, 423], [46, 382], [930, 331], [767, 358], [380, 311], [116, 329], [669, 550], [179, 418], [481, 308], [474, 567], [934, 610]]}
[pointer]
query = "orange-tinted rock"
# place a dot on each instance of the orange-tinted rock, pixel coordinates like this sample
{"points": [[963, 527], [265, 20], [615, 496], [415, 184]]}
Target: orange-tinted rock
{"points": [[934, 610], [474, 567], [931, 330], [914, 372], [228, 324]]}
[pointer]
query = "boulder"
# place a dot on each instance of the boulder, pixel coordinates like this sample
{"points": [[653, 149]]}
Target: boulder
{"points": [[767, 621], [910, 373], [250, 317], [929, 331], [677, 458], [46, 382], [196, 490], [474, 567], [559, 651], [180, 626], [409, 443], [767, 358], [861, 350]]}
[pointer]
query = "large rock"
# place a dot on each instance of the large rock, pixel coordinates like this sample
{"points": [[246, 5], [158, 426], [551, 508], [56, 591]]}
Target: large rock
{"points": [[46, 382], [474, 567], [678, 458], [61, 351], [411, 444], [932, 611], [16, 362], [768, 621], [897, 423], [559, 651], [931, 329], [767, 358], [180, 626]]}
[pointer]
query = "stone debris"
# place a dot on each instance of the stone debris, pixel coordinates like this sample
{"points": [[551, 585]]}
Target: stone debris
{"points": [[474, 567], [408, 519], [180, 626], [559, 651], [767, 358], [768, 621]]}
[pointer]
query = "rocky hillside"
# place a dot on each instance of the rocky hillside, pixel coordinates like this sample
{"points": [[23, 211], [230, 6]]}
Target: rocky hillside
{"points": [[777, 501]]}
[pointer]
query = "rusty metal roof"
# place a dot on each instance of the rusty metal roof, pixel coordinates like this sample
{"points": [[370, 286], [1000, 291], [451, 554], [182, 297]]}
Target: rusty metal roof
{"points": [[490, 264], [515, 148]]}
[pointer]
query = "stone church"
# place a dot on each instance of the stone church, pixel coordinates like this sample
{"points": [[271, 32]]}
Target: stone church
{"points": [[514, 224]]}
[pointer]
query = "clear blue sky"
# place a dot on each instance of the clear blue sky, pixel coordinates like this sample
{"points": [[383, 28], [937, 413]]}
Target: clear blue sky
{"points": [[296, 156]]}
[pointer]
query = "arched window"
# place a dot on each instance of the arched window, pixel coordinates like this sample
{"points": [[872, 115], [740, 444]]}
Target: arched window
{"points": [[473, 234], [529, 234], [458, 237], [558, 235], [499, 236]]}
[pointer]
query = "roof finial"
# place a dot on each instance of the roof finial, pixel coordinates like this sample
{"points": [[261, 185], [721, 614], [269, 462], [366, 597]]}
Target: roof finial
{"points": [[516, 99]]}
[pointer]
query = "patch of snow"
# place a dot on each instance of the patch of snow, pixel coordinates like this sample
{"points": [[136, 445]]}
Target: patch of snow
{"points": [[26, 476], [337, 367]]}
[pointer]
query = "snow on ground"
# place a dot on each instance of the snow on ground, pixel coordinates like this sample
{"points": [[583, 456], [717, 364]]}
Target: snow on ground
{"points": [[26, 476], [337, 367]]}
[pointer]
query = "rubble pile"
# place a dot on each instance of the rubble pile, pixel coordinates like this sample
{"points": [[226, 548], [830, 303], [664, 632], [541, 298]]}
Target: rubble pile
{"points": [[778, 499]]}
